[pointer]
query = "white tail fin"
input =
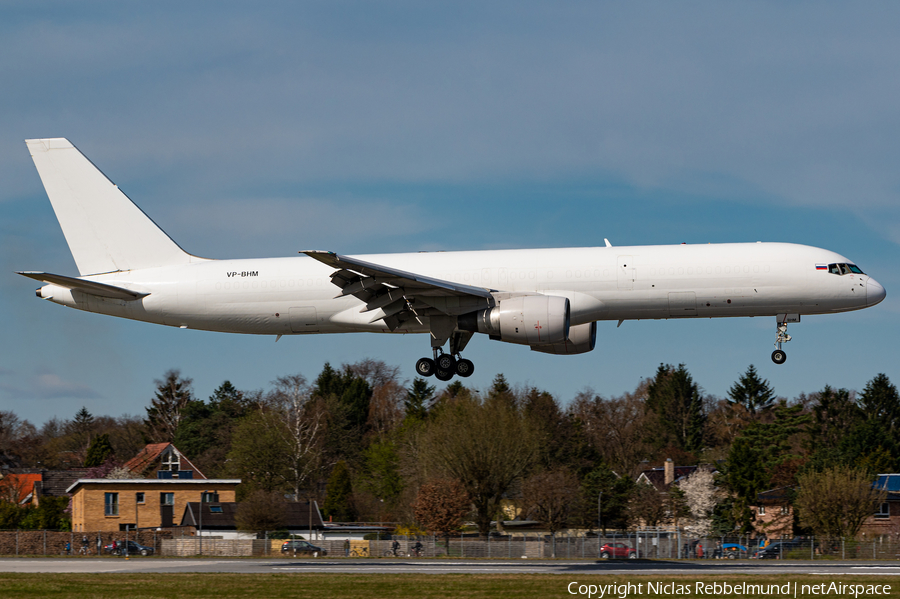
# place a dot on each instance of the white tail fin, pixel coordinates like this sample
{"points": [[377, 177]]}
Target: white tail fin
{"points": [[105, 230]]}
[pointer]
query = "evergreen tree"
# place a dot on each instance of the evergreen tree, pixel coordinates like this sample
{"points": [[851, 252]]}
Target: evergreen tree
{"points": [[83, 422], [164, 414], [382, 471], [675, 399], [339, 495], [417, 399], [500, 391], [99, 451], [759, 453], [833, 416], [230, 401], [751, 392], [880, 402]]}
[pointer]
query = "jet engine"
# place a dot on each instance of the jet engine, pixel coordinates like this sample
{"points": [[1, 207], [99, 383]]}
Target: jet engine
{"points": [[528, 320], [582, 339]]}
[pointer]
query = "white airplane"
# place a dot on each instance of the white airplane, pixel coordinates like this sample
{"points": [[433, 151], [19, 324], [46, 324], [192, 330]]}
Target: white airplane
{"points": [[547, 299]]}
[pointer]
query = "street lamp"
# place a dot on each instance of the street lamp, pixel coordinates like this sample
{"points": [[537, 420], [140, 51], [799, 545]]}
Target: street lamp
{"points": [[600, 513]]}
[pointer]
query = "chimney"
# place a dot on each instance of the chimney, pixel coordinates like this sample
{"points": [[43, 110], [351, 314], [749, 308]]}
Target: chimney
{"points": [[670, 471]]}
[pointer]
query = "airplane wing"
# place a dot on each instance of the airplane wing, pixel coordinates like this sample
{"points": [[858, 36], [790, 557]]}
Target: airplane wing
{"points": [[89, 287], [399, 294]]}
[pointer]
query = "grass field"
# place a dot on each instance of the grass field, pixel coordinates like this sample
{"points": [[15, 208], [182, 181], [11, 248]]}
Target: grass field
{"points": [[376, 586]]}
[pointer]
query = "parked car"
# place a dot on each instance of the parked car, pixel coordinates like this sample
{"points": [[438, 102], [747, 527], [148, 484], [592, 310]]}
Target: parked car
{"points": [[776, 550], [617, 550], [734, 551], [300, 546], [133, 549]]}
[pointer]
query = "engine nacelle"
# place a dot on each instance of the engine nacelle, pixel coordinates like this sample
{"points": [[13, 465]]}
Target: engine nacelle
{"points": [[528, 319], [582, 339]]}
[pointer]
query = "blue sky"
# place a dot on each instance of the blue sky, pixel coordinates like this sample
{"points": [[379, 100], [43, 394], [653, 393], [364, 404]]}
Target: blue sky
{"points": [[253, 131]]}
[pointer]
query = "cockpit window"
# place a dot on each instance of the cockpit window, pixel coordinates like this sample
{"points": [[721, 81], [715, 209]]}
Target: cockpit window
{"points": [[844, 269]]}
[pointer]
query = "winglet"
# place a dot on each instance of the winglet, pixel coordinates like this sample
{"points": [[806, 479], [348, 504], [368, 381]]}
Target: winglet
{"points": [[608, 244]]}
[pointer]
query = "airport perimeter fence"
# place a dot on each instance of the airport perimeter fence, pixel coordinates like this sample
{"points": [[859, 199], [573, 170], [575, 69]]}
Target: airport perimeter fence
{"points": [[652, 544], [54, 542]]}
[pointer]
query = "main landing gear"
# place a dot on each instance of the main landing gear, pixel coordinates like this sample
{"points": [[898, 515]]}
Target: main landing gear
{"points": [[779, 356], [444, 366]]}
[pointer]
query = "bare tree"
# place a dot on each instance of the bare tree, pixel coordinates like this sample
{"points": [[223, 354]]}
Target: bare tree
{"points": [[386, 408], [299, 422], [260, 512], [646, 507], [616, 427], [441, 506], [486, 446], [551, 496], [836, 502]]}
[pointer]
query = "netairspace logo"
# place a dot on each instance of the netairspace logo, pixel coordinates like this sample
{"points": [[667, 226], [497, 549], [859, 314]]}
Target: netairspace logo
{"points": [[720, 589]]}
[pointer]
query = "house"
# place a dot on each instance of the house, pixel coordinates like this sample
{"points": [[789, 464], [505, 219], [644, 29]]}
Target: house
{"points": [[164, 482], [218, 519], [886, 519], [774, 514], [665, 477], [163, 461], [18, 488], [118, 504], [28, 487]]}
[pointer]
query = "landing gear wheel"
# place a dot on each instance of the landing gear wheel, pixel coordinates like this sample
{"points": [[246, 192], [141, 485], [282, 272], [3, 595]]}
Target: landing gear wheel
{"points": [[425, 367], [446, 362], [464, 367], [443, 375], [778, 356]]}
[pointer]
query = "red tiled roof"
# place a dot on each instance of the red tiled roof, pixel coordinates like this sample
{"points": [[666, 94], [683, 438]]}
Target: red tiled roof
{"points": [[18, 486], [146, 457], [149, 455]]}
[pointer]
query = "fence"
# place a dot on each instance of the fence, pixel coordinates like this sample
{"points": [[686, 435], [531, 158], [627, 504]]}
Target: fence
{"points": [[52, 542], [653, 544]]}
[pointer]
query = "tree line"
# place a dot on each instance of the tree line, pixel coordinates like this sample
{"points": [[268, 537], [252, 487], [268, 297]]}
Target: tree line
{"points": [[370, 447]]}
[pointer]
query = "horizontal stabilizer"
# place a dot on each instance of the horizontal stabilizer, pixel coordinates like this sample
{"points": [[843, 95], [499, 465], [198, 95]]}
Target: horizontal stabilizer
{"points": [[89, 287]]}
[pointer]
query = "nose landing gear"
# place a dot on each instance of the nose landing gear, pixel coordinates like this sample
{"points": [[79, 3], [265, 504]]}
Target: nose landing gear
{"points": [[781, 336]]}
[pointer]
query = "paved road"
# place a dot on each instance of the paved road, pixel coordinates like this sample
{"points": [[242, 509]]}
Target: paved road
{"points": [[428, 566]]}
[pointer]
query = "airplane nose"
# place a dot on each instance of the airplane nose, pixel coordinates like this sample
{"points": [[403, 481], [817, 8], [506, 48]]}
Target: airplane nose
{"points": [[874, 292]]}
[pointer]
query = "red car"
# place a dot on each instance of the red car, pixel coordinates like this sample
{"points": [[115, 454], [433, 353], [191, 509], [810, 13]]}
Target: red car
{"points": [[617, 550]]}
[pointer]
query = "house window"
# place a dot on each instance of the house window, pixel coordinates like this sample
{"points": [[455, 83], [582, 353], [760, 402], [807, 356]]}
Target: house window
{"points": [[209, 497], [884, 512], [139, 498], [171, 461], [111, 503], [215, 509], [761, 510], [167, 498], [785, 510]]}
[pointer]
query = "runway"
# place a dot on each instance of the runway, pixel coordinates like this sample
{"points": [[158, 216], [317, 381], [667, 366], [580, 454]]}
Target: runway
{"points": [[437, 567]]}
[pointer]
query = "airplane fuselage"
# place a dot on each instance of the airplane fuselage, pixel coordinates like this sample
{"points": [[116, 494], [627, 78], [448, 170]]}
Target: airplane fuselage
{"points": [[284, 296]]}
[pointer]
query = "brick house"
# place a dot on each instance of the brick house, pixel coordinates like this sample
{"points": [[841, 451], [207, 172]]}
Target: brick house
{"points": [[165, 482], [28, 487], [886, 519], [162, 460], [116, 504], [774, 513]]}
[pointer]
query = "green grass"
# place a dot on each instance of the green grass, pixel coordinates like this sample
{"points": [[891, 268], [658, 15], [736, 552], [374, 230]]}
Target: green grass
{"points": [[373, 586]]}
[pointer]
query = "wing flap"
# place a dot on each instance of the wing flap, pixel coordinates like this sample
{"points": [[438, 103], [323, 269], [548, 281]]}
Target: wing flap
{"points": [[394, 291], [89, 287]]}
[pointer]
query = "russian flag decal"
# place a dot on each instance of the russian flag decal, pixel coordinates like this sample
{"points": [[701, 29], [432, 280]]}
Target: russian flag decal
{"points": [[821, 267]]}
